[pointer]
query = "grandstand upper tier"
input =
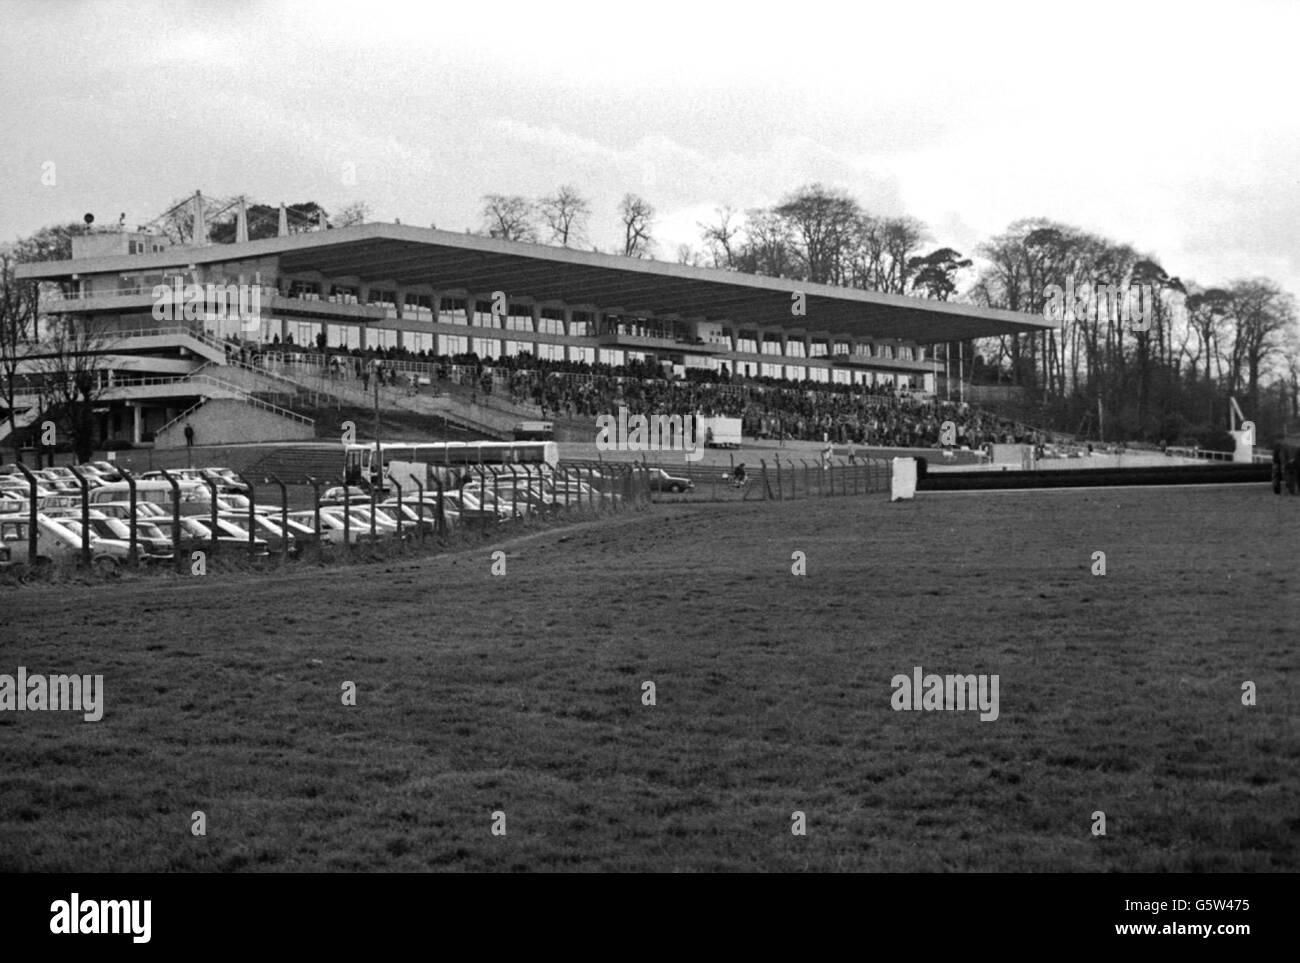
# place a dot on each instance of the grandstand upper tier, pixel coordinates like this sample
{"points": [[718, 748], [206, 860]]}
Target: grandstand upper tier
{"points": [[427, 293]]}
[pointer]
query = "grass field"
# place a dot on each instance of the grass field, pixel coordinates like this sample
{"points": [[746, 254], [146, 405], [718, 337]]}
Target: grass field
{"points": [[522, 693]]}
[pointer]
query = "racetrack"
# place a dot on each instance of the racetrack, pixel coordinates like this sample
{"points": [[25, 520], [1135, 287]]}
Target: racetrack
{"points": [[521, 693]]}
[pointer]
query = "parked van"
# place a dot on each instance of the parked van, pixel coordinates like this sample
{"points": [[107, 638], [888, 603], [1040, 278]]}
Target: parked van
{"points": [[196, 499]]}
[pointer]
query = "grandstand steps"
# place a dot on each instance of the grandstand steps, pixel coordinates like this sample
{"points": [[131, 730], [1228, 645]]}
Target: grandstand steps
{"points": [[394, 424], [292, 464], [448, 411]]}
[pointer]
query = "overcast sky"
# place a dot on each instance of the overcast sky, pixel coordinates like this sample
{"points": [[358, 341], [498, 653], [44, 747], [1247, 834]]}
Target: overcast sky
{"points": [[1172, 126]]}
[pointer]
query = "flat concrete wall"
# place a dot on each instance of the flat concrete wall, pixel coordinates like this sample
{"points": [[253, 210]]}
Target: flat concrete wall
{"points": [[222, 421]]}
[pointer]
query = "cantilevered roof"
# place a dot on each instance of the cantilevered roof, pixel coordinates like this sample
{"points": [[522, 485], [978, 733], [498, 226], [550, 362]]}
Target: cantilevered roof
{"points": [[404, 256]]}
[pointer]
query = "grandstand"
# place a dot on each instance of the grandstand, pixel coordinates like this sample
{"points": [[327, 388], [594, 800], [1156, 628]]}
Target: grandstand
{"points": [[475, 334]]}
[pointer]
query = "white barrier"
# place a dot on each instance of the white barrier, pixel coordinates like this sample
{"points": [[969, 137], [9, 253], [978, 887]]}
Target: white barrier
{"points": [[902, 480]]}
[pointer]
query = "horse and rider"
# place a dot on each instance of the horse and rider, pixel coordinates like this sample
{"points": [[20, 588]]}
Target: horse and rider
{"points": [[1286, 465]]}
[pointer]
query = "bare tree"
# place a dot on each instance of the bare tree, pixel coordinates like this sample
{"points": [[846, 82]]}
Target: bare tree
{"points": [[638, 219], [822, 222], [721, 238], [18, 301], [1262, 313], [565, 212], [769, 247], [687, 254], [509, 217], [1206, 311], [70, 362]]}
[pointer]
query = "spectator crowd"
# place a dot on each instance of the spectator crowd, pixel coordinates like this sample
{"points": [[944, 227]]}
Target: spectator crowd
{"points": [[869, 415]]}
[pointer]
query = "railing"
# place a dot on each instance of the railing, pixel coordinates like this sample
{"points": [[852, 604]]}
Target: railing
{"points": [[195, 378], [181, 417], [1201, 453], [147, 290]]}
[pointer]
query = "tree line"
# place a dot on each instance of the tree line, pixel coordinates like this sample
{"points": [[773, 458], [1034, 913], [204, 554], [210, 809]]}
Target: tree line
{"points": [[1098, 374]]}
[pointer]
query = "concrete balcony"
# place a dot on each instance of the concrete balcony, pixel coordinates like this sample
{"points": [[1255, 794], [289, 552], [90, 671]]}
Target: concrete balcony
{"points": [[619, 340], [328, 310]]}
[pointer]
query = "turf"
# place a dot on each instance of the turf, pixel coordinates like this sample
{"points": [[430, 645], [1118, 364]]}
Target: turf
{"points": [[522, 693]]}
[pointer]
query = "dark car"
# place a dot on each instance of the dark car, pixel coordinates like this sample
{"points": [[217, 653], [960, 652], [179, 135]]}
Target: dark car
{"points": [[661, 481]]}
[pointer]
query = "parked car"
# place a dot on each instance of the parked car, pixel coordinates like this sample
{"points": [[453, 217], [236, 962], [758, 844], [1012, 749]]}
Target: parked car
{"points": [[123, 510], [107, 470], [385, 524], [53, 541], [340, 495], [196, 533], [235, 502], [661, 481], [226, 479], [272, 529], [111, 548], [410, 515], [331, 525]]}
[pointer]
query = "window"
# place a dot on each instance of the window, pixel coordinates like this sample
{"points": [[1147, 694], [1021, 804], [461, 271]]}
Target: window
{"points": [[418, 307], [383, 299], [304, 290], [580, 324], [551, 321], [452, 311], [519, 317]]}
